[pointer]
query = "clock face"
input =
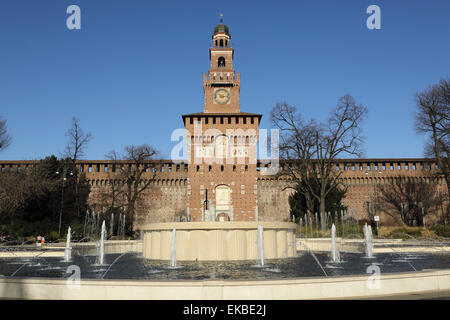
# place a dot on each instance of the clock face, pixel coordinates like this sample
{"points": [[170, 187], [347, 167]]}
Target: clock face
{"points": [[222, 96]]}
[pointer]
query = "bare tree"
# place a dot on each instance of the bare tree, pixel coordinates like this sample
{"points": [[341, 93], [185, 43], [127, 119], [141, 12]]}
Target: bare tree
{"points": [[410, 201], [75, 149], [316, 146], [433, 119], [112, 197], [5, 138], [296, 143], [18, 188], [134, 176], [78, 140]]}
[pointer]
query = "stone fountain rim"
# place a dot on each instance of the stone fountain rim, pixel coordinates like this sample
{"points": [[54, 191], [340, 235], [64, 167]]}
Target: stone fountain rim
{"points": [[355, 287], [236, 282]]}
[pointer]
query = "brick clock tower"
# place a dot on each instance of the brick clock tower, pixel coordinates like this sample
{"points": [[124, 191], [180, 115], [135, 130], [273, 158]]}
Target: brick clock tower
{"points": [[222, 174]]}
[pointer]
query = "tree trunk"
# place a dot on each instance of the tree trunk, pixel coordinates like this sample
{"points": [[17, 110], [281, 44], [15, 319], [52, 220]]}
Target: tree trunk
{"points": [[323, 224]]}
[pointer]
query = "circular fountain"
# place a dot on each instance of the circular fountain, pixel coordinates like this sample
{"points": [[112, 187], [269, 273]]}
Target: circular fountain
{"points": [[233, 260]]}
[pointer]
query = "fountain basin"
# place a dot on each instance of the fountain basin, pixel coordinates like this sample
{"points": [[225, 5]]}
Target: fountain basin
{"points": [[346, 287], [218, 241]]}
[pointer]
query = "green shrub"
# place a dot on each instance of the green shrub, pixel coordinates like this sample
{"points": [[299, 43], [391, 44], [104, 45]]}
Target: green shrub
{"points": [[442, 231], [405, 233], [54, 235]]}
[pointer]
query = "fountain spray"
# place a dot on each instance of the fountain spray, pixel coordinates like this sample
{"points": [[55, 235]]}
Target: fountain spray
{"points": [[68, 250], [368, 241], [260, 242], [173, 253], [335, 256], [101, 255], [112, 224]]}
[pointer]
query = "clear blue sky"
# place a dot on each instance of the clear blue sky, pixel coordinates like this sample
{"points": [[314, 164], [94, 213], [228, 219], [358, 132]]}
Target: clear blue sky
{"points": [[136, 66]]}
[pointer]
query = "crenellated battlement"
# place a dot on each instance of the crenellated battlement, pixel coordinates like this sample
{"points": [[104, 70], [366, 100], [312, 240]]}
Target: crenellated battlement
{"points": [[353, 171]]}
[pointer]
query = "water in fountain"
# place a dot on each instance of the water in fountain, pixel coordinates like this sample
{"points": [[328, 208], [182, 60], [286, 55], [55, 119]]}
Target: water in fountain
{"points": [[86, 218], [92, 223], [335, 256], [173, 253], [314, 256], [101, 253], [300, 222], [317, 221], [68, 250], [260, 243], [112, 224], [123, 225], [368, 241], [306, 226]]}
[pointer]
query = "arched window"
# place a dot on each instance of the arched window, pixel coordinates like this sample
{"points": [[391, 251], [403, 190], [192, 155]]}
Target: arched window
{"points": [[221, 42], [216, 43], [221, 62], [226, 43]]}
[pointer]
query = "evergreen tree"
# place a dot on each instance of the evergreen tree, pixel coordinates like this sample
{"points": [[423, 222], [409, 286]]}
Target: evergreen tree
{"points": [[333, 201]]}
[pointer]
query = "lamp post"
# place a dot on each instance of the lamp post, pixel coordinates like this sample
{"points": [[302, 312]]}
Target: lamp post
{"points": [[62, 195]]}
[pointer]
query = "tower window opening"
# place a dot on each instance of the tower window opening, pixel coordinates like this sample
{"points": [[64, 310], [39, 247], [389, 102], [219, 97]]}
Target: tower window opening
{"points": [[221, 43], [216, 43], [226, 43], [221, 62], [221, 168]]}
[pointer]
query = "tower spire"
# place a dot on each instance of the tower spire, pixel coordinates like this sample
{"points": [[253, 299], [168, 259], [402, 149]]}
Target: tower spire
{"points": [[221, 17]]}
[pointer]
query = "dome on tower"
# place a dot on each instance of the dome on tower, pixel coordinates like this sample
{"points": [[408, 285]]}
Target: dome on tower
{"points": [[221, 28]]}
